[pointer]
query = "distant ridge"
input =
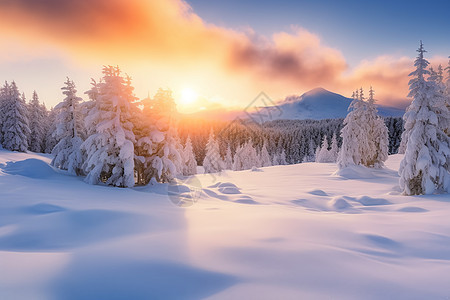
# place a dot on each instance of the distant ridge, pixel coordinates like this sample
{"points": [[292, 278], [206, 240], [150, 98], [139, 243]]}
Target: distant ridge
{"points": [[318, 104]]}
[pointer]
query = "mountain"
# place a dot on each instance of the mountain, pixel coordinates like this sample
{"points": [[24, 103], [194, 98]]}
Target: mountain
{"points": [[319, 104]]}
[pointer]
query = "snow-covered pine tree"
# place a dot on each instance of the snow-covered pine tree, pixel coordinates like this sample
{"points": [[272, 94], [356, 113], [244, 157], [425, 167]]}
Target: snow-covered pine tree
{"points": [[424, 168], [246, 157], [317, 153], [148, 138], [378, 137], [251, 156], [50, 140], [213, 162], [238, 163], [447, 81], [437, 78], [310, 155], [447, 90], [36, 115], [276, 159], [15, 127], [67, 153], [4, 90], [265, 157], [228, 159], [323, 155], [282, 160], [110, 149], [354, 135], [334, 151], [167, 161], [190, 164]]}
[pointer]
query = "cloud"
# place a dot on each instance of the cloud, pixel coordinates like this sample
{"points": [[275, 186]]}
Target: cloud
{"points": [[388, 75], [298, 58], [155, 34]]}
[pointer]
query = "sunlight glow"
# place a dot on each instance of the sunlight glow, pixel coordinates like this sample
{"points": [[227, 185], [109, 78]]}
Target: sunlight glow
{"points": [[188, 96]]}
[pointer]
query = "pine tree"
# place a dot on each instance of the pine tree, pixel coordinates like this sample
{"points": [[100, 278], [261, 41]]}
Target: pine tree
{"points": [[447, 90], [354, 135], [251, 156], [361, 94], [50, 140], [447, 82], [213, 162], [67, 153], [378, 137], [437, 79], [228, 159], [4, 90], [15, 127], [167, 161], [424, 168], [317, 153], [148, 139], [334, 151], [110, 149], [310, 155], [283, 158], [238, 161], [190, 164], [323, 155], [37, 124], [265, 157]]}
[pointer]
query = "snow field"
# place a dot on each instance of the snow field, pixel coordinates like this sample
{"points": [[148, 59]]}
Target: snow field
{"points": [[301, 231]]}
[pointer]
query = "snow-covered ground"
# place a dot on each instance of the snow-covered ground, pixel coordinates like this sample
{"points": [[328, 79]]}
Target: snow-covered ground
{"points": [[284, 232]]}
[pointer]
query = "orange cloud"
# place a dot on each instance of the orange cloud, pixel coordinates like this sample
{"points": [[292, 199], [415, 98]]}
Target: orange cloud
{"points": [[297, 58], [155, 34], [388, 75]]}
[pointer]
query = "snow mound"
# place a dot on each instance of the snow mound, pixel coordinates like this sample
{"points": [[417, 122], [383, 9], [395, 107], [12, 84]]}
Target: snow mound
{"points": [[339, 203], [369, 201], [228, 188], [245, 200], [226, 184], [355, 172], [33, 168], [318, 193]]}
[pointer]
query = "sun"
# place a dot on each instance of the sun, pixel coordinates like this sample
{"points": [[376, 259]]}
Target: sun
{"points": [[188, 96]]}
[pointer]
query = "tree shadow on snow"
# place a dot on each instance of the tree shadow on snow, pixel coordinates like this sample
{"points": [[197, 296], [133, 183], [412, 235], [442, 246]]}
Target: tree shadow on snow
{"points": [[121, 279]]}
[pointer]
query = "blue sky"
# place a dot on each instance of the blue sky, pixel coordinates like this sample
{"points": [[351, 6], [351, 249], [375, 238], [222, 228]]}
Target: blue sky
{"points": [[360, 29]]}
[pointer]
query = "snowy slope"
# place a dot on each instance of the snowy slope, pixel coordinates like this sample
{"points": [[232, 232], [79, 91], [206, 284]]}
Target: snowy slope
{"points": [[320, 104], [284, 232]]}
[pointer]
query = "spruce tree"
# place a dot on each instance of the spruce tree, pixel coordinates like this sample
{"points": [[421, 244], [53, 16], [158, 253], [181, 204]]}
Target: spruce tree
{"points": [[67, 152], [110, 148], [213, 162], [424, 168], [190, 164], [334, 151], [228, 159], [378, 138], [167, 161], [15, 126], [37, 124], [354, 135], [265, 157]]}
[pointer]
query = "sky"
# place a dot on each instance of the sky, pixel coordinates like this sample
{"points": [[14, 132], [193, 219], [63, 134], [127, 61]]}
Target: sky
{"points": [[216, 54]]}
